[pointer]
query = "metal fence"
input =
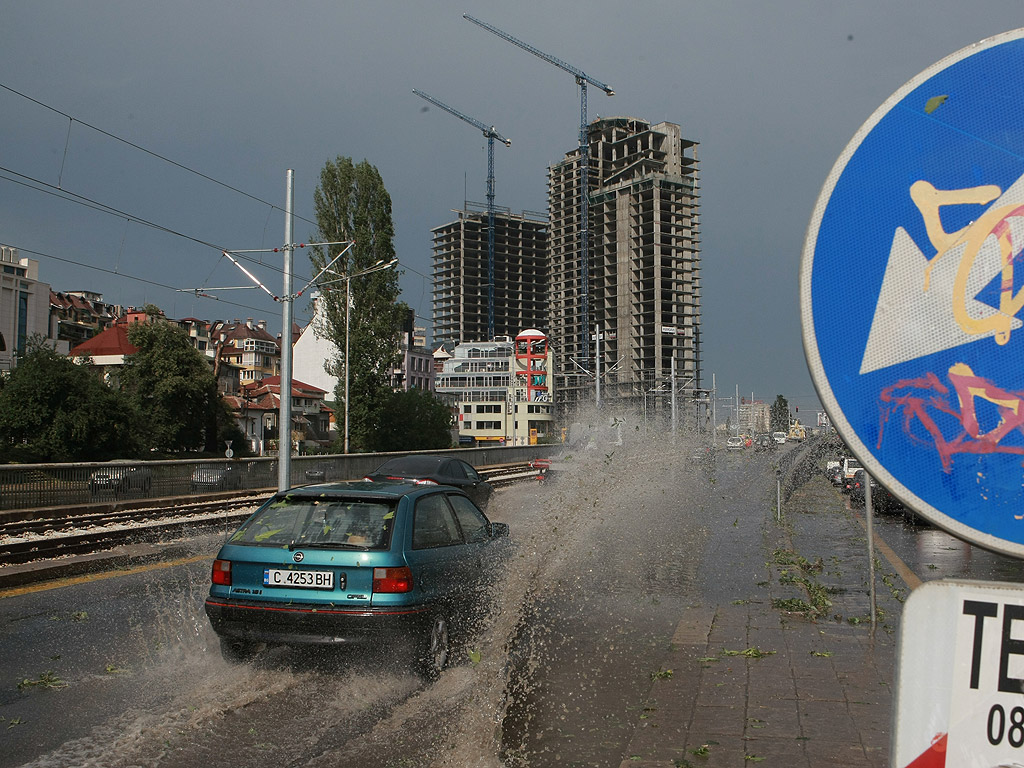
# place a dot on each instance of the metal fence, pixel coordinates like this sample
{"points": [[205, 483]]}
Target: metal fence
{"points": [[33, 486]]}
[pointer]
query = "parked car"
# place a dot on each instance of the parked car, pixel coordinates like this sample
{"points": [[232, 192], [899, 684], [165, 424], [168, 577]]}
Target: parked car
{"points": [[121, 478], [834, 472], [881, 499], [735, 444], [848, 467], [436, 470], [215, 477], [779, 437], [356, 563]]}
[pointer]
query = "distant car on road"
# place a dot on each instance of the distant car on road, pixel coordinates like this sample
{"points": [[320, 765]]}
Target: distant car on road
{"points": [[356, 563], [436, 470], [121, 478], [735, 444], [881, 499], [215, 477], [779, 437]]}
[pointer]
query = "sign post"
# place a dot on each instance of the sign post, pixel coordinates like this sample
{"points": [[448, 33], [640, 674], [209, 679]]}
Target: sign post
{"points": [[911, 296]]}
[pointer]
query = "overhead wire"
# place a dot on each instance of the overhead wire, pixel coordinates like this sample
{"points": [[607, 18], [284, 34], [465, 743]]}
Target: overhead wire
{"points": [[147, 281], [87, 202], [157, 155], [72, 197]]}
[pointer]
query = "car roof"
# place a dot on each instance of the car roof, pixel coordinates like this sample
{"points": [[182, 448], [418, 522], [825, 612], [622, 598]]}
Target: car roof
{"points": [[364, 489], [415, 463]]}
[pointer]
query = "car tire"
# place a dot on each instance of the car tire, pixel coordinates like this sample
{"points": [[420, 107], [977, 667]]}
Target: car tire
{"points": [[237, 651], [435, 650]]}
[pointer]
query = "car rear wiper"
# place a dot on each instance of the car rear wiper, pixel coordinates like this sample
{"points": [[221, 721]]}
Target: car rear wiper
{"points": [[339, 545]]}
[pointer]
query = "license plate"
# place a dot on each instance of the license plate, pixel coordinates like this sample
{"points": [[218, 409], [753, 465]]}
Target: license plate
{"points": [[276, 577]]}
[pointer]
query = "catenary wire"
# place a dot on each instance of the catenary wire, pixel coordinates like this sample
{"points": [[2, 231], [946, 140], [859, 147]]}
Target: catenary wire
{"points": [[176, 164], [127, 276], [87, 202]]}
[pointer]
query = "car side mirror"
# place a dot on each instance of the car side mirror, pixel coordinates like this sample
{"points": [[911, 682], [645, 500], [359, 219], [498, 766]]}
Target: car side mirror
{"points": [[498, 529]]}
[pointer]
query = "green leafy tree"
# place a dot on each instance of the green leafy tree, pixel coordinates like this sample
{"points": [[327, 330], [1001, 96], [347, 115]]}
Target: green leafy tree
{"points": [[171, 385], [779, 414], [53, 409], [412, 420], [352, 203]]}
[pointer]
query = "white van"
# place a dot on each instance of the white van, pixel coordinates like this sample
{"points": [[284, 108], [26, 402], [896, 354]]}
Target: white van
{"points": [[779, 437]]}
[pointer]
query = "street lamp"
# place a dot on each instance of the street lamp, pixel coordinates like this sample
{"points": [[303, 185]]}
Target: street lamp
{"points": [[380, 265]]}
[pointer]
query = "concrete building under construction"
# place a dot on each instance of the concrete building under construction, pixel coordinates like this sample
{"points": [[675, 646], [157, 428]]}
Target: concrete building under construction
{"points": [[643, 268], [460, 274]]}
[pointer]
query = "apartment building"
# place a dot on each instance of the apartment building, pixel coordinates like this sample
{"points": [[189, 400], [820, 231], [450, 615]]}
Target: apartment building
{"points": [[76, 316], [24, 304], [460, 300], [248, 347], [643, 276], [502, 390]]}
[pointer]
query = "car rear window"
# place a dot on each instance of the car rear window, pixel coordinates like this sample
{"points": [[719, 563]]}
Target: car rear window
{"points": [[320, 522], [413, 465]]}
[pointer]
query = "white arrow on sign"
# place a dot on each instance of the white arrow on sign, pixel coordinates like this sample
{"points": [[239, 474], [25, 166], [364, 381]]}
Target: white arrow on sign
{"points": [[910, 321]]}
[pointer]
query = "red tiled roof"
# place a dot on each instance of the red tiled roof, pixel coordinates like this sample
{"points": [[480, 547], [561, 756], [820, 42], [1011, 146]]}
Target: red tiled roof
{"points": [[275, 381], [113, 341]]}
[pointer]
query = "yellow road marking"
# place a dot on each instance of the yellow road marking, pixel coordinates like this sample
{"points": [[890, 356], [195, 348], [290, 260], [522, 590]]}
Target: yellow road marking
{"points": [[902, 569], [90, 577]]}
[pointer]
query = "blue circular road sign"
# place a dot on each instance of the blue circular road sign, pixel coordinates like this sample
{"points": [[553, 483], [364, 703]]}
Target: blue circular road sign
{"points": [[912, 290]]}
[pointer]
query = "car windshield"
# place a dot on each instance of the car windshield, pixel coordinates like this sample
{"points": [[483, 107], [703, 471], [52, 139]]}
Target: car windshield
{"points": [[300, 521], [410, 465]]}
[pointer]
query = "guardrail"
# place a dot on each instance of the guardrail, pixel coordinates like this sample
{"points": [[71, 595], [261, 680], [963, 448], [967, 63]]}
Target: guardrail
{"points": [[33, 486]]}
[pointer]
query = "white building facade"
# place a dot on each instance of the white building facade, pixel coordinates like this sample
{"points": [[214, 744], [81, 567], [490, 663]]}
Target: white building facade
{"points": [[501, 389], [24, 305]]}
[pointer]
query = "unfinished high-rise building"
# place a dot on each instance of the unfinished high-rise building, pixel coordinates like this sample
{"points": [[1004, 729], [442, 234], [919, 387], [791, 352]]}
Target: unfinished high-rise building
{"points": [[644, 263], [460, 275]]}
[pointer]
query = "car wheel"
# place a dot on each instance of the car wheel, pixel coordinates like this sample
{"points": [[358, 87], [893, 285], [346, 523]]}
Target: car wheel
{"points": [[237, 651], [433, 655]]}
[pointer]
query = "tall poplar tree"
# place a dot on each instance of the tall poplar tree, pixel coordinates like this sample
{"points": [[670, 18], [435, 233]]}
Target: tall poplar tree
{"points": [[351, 203], [779, 414]]}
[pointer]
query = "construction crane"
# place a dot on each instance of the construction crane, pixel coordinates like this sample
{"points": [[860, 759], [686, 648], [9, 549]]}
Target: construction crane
{"points": [[582, 78], [491, 134]]}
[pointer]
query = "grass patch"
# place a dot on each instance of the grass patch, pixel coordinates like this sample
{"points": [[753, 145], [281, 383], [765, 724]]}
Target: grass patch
{"points": [[46, 680], [751, 653]]}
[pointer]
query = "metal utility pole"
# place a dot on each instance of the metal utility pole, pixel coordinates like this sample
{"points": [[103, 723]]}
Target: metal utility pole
{"points": [[714, 410], [490, 134], [284, 418], [597, 365], [673, 397], [582, 78]]}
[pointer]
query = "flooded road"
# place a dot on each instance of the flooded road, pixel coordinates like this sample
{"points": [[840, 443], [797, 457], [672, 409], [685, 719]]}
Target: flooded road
{"points": [[607, 557]]}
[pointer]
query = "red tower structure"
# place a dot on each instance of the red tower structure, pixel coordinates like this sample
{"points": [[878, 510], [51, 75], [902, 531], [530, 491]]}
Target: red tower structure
{"points": [[532, 365]]}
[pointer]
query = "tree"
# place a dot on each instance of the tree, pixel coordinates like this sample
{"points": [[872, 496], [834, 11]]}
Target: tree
{"points": [[352, 203], [53, 409], [779, 414], [171, 385], [412, 420]]}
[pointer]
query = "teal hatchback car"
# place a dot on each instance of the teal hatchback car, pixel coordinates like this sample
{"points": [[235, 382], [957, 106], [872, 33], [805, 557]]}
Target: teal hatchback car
{"points": [[356, 563]]}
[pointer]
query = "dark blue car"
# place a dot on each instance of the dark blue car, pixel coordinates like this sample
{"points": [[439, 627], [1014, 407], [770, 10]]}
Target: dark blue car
{"points": [[356, 563]]}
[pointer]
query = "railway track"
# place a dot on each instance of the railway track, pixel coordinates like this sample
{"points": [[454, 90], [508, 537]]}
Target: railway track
{"points": [[30, 537]]}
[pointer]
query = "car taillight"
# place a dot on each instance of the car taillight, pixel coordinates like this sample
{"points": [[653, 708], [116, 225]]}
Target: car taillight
{"points": [[221, 572], [392, 579]]}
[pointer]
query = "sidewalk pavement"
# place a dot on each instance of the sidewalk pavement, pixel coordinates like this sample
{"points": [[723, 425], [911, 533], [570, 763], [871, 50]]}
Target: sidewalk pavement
{"points": [[752, 682]]}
